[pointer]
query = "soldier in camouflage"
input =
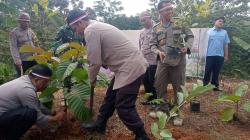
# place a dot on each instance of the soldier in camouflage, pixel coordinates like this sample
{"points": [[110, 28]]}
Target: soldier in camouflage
{"points": [[171, 43], [66, 35], [19, 36]]}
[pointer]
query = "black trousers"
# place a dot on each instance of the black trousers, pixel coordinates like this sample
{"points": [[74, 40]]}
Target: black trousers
{"points": [[26, 65], [213, 66], [148, 81], [123, 100], [15, 123]]}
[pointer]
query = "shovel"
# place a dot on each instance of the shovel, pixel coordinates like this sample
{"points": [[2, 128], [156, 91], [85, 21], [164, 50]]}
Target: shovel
{"points": [[91, 99]]}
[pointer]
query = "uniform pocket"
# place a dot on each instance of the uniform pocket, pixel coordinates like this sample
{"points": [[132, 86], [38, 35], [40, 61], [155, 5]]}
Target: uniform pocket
{"points": [[176, 34]]}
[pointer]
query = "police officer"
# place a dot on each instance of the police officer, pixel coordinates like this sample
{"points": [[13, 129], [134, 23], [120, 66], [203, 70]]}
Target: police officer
{"points": [[145, 35], [20, 107], [19, 36], [171, 43], [107, 45]]}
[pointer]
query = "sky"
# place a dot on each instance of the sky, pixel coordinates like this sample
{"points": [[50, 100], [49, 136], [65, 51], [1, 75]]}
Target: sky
{"points": [[131, 7]]}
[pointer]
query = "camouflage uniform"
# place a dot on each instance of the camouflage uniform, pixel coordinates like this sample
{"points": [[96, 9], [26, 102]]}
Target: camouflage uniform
{"points": [[66, 35], [167, 38], [18, 38]]}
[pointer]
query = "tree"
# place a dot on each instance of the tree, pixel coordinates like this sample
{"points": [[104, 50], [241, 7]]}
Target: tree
{"points": [[91, 13], [107, 10], [153, 10], [126, 23]]}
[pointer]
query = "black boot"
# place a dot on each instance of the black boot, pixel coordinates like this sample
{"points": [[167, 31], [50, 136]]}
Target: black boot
{"points": [[98, 126], [141, 134]]}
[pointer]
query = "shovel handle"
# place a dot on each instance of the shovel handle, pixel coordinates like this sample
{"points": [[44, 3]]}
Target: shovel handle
{"points": [[21, 69], [91, 99]]}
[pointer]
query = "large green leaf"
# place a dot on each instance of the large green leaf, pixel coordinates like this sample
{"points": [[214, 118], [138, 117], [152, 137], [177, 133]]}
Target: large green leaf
{"points": [[77, 46], [180, 97], [172, 112], [228, 98], [199, 90], [61, 69], [241, 90], [48, 92], [70, 69], [155, 130], [40, 59], [62, 48], [29, 48], [147, 95], [157, 101], [246, 105], [165, 133], [80, 74], [102, 80], [162, 119], [227, 114], [73, 53], [76, 100]]}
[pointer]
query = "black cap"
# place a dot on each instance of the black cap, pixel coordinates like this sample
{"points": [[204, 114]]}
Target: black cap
{"points": [[41, 70], [75, 14]]}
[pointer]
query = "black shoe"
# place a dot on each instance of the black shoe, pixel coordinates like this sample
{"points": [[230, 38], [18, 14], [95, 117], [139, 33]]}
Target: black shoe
{"points": [[142, 137], [217, 89], [94, 127]]}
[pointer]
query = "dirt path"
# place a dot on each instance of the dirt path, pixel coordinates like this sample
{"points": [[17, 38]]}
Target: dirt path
{"points": [[204, 125]]}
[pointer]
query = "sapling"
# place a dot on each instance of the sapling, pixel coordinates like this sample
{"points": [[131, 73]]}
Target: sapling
{"points": [[158, 128], [230, 113]]}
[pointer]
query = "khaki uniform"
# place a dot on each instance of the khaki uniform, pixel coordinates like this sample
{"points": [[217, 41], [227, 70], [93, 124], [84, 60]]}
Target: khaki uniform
{"points": [[148, 54], [108, 46], [151, 57], [169, 39], [18, 38]]}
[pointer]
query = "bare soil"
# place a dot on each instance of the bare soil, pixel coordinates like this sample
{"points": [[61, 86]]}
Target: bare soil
{"points": [[204, 125]]}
